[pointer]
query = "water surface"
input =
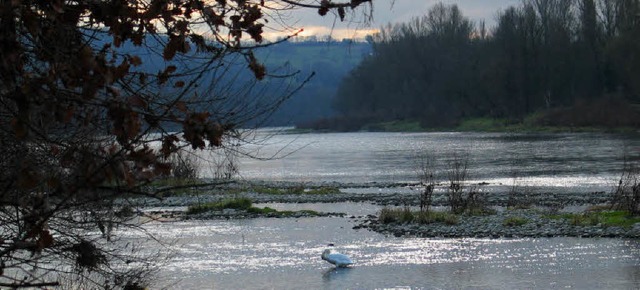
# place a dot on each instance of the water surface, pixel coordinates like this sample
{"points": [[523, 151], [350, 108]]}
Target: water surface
{"points": [[550, 162], [285, 254]]}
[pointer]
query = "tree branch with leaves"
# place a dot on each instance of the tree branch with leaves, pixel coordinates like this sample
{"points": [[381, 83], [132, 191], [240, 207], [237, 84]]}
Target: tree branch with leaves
{"points": [[95, 97]]}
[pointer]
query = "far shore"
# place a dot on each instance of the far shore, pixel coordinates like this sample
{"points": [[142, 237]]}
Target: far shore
{"points": [[489, 125]]}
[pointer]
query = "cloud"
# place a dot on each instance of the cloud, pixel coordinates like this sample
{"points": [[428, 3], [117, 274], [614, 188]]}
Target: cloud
{"points": [[322, 31]]}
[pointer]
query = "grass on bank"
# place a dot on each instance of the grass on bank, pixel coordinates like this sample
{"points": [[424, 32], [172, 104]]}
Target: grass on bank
{"points": [[244, 204], [235, 203], [605, 218], [537, 122], [395, 126], [406, 215]]}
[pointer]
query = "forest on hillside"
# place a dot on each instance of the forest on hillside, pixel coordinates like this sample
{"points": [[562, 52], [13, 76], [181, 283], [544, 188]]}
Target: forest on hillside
{"points": [[306, 74], [574, 63], [329, 62]]}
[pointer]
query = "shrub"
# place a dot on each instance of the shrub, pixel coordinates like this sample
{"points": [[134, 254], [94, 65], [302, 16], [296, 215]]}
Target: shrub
{"points": [[457, 175], [387, 215], [184, 166], [406, 216], [626, 195], [426, 174]]}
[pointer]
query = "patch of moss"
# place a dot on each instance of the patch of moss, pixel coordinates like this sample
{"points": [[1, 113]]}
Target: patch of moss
{"points": [[257, 210], [245, 204], [480, 211], [605, 218], [285, 213], [235, 203]]}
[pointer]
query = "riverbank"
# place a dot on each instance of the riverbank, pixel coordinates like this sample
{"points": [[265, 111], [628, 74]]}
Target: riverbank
{"points": [[468, 125], [601, 116]]}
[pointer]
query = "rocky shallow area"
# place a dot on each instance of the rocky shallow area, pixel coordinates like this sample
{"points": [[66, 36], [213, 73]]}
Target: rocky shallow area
{"points": [[392, 194], [537, 216], [537, 223]]}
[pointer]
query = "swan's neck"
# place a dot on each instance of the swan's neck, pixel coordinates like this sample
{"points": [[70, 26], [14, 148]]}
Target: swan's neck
{"points": [[324, 255]]}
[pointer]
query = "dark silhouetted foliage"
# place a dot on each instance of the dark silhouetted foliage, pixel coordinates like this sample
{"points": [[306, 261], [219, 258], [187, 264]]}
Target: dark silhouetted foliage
{"points": [[95, 97], [542, 55]]}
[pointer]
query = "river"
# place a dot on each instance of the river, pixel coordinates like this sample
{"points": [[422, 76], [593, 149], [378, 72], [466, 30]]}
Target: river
{"points": [[285, 253], [553, 162]]}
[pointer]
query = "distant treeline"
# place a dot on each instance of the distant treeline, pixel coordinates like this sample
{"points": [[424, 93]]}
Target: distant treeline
{"points": [[577, 61]]}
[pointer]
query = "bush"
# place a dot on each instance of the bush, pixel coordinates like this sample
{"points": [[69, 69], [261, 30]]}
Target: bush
{"points": [[184, 166], [626, 195], [406, 216], [460, 197], [609, 112], [387, 215], [427, 176]]}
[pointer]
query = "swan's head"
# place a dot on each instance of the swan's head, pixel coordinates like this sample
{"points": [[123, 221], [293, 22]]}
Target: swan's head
{"points": [[326, 253]]}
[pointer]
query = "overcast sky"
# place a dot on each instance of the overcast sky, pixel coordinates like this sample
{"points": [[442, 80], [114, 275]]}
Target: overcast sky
{"points": [[384, 12]]}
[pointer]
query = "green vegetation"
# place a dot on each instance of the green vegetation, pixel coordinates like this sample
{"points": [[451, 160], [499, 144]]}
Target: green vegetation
{"points": [[405, 215], [284, 213], [605, 218], [235, 203], [257, 210], [515, 221], [530, 124], [484, 124], [395, 126], [246, 205]]}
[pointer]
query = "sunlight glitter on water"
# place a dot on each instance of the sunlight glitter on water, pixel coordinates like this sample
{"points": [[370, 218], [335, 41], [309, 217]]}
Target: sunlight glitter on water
{"points": [[249, 254]]}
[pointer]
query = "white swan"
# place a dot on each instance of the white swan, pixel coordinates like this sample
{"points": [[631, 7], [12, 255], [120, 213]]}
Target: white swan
{"points": [[340, 260]]}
